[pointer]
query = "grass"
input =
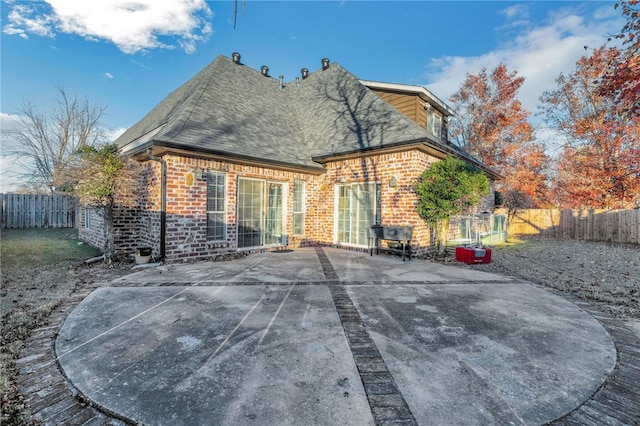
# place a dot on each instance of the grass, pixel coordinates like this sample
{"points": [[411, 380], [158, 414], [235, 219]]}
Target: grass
{"points": [[37, 272], [41, 247]]}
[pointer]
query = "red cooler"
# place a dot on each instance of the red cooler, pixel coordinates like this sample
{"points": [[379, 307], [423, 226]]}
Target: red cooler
{"points": [[471, 254]]}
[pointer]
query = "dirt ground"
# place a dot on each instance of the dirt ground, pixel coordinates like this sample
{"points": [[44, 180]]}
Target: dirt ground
{"points": [[608, 275], [39, 269]]}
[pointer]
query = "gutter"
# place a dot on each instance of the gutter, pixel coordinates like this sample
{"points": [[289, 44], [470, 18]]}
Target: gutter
{"points": [[163, 202]]}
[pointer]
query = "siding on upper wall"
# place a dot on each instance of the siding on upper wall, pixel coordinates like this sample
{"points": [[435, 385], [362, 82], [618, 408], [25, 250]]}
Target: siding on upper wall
{"points": [[413, 107], [410, 105]]}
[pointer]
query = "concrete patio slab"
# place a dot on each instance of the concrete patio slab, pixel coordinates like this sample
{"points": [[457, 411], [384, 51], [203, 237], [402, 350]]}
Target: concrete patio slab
{"points": [[302, 265], [259, 341], [214, 355], [383, 268], [485, 354]]}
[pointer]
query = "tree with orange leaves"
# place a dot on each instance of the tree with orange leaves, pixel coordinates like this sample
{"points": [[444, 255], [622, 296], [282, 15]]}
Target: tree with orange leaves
{"points": [[492, 125], [599, 165], [621, 81]]}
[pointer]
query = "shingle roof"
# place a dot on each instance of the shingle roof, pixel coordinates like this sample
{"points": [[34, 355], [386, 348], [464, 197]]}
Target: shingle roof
{"points": [[233, 110]]}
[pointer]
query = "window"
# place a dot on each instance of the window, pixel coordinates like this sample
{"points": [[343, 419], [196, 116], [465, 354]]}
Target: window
{"points": [[216, 204], [434, 123], [298, 208]]}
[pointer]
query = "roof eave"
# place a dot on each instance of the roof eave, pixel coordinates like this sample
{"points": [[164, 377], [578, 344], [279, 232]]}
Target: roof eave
{"points": [[437, 150], [325, 158], [160, 147]]}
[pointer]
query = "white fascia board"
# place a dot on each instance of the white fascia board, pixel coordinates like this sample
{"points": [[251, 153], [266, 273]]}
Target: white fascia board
{"points": [[141, 140]]}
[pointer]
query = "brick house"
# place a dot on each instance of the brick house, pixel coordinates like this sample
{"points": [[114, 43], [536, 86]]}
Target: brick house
{"points": [[235, 160]]}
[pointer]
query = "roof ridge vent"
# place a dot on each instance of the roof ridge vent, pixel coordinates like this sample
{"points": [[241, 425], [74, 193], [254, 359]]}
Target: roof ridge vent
{"points": [[235, 56], [304, 72], [281, 81], [325, 63], [264, 70]]}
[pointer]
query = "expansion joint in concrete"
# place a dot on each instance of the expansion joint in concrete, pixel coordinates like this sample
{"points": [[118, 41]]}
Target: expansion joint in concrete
{"points": [[387, 404]]}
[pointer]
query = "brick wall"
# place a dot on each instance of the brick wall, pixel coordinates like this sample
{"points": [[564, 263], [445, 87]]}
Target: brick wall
{"points": [[396, 173], [186, 206], [91, 233], [125, 229]]}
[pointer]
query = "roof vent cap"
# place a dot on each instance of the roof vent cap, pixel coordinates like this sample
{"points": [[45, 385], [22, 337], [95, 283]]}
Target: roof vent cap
{"points": [[304, 72], [235, 56], [325, 63], [264, 70]]}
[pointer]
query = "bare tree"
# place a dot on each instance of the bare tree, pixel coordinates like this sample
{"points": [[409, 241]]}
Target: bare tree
{"points": [[105, 180], [44, 143], [514, 201]]}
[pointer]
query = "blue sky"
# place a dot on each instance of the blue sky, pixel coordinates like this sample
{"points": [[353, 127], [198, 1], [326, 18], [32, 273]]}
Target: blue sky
{"points": [[129, 54]]}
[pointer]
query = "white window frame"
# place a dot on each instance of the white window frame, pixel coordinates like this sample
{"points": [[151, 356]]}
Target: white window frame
{"points": [[435, 123], [263, 220], [375, 191], [219, 213], [298, 207]]}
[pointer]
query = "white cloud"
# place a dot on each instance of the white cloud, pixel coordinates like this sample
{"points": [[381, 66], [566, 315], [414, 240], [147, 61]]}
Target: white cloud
{"points": [[10, 169], [132, 25], [114, 134], [516, 15], [9, 181], [538, 53], [21, 24], [108, 75]]}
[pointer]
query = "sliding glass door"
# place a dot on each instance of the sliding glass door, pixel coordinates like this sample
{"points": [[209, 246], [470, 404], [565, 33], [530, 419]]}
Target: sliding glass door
{"points": [[357, 209], [260, 213], [273, 214]]}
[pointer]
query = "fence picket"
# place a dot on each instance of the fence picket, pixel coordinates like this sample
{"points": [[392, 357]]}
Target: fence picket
{"points": [[37, 211]]}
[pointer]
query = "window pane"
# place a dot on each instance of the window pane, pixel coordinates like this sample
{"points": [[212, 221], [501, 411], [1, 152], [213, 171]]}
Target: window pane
{"points": [[435, 124], [357, 210], [215, 225], [344, 230], [250, 208], [273, 223], [216, 202], [298, 208]]}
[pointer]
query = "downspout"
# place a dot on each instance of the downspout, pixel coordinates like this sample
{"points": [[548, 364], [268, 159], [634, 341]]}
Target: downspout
{"points": [[163, 202]]}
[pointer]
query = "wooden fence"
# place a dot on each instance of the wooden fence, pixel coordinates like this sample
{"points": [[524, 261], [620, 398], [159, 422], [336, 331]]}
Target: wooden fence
{"points": [[616, 226], [37, 211]]}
